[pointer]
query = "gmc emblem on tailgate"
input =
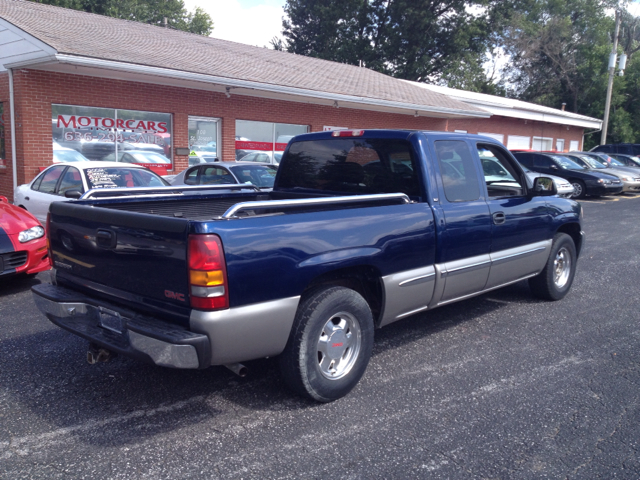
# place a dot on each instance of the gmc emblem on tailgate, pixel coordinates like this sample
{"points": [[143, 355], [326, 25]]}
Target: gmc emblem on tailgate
{"points": [[174, 295]]}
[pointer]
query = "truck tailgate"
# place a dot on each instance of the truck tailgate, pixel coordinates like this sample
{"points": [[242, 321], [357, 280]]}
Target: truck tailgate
{"points": [[137, 257]]}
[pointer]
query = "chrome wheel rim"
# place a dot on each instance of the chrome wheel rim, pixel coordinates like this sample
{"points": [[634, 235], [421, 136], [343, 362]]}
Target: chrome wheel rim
{"points": [[561, 267], [577, 189], [339, 345]]}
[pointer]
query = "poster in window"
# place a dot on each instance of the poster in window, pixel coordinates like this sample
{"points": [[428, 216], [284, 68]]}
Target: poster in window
{"points": [[106, 134]]}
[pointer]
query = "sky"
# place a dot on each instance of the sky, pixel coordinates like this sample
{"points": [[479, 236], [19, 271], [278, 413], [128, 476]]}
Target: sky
{"points": [[254, 22]]}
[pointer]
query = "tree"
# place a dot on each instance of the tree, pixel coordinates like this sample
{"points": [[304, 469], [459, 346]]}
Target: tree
{"points": [[144, 11], [557, 50], [410, 39]]}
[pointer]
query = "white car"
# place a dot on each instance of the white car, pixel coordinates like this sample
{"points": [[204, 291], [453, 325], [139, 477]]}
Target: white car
{"points": [[67, 181], [260, 156]]}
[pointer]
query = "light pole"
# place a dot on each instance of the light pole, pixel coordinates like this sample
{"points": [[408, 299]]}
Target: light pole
{"points": [[612, 70]]}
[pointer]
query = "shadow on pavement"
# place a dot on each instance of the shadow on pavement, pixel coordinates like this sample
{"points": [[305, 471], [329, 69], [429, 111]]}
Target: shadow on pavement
{"points": [[125, 401]]}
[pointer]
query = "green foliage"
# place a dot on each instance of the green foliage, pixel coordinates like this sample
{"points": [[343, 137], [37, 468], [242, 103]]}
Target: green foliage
{"points": [[145, 11], [410, 39]]}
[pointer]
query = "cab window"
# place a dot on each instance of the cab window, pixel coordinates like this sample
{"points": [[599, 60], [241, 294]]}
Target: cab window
{"points": [[500, 174], [459, 175]]}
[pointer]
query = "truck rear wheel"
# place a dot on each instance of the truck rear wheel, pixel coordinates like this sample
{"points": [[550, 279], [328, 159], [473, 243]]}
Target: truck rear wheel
{"points": [[330, 344], [554, 282]]}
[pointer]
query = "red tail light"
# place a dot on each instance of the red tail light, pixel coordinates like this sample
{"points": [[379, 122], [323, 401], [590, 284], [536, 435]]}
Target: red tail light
{"points": [[207, 273], [347, 133]]}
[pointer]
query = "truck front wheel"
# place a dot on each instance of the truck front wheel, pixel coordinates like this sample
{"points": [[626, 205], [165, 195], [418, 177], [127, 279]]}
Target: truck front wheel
{"points": [[554, 282], [330, 344]]}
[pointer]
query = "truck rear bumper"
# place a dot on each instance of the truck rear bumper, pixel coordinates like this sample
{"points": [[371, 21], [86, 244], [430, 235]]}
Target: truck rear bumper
{"points": [[122, 331]]}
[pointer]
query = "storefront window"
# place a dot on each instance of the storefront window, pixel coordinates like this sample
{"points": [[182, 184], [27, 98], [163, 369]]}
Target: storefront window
{"points": [[256, 139], [108, 134], [3, 153], [203, 140]]}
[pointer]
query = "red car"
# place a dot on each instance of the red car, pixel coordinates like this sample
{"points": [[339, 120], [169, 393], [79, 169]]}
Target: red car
{"points": [[23, 246]]}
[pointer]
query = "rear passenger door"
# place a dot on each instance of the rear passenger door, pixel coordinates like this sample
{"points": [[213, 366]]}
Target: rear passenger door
{"points": [[520, 223], [465, 242]]}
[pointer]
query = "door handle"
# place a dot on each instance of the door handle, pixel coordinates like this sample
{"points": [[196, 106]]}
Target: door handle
{"points": [[26, 198], [499, 218]]}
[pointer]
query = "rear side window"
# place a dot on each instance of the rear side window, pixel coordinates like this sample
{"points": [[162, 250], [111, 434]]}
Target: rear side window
{"points": [[70, 181], [351, 165], [50, 180], [459, 174], [524, 159], [542, 162]]}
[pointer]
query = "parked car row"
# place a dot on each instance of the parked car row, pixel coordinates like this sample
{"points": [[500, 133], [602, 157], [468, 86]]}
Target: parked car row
{"points": [[590, 173]]}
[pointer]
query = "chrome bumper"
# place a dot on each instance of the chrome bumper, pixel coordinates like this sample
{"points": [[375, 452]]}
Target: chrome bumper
{"points": [[122, 331]]}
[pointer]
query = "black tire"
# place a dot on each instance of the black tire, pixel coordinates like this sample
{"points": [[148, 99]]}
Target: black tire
{"points": [[579, 190], [339, 320], [555, 280]]}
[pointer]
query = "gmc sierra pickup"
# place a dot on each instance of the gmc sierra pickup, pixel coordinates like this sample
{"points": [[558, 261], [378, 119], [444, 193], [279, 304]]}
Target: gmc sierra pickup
{"points": [[362, 228]]}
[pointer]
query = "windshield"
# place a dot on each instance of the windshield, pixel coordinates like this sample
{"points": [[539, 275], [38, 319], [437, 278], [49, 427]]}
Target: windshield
{"points": [[114, 177], [591, 162], [566, 163], [69, 156], [258, 175], [618, 163]]}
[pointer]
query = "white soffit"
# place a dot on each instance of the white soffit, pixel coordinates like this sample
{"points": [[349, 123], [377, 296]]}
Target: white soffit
{"points": [[18, 46], [509, 107]]}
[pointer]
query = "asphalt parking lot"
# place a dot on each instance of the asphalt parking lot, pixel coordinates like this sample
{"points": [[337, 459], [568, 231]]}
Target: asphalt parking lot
{"points": [[498, 386]]}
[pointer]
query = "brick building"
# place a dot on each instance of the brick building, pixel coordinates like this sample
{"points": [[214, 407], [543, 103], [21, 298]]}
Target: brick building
{"points": [[99, 86]]}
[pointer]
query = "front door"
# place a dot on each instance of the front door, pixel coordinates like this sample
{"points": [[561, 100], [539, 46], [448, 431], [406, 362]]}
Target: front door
{"points": [[464, 261], [520, 223]]}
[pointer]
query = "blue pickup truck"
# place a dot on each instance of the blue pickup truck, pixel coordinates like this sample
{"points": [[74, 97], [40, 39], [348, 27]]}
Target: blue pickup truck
{"points": [[363, 228]]}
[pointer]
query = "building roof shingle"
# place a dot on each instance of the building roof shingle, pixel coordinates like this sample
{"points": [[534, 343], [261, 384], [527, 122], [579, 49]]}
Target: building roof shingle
{"points": [[81, 34]]}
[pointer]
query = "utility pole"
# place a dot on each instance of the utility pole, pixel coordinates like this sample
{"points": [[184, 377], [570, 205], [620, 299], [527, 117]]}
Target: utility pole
{"points": [[612, 71]]}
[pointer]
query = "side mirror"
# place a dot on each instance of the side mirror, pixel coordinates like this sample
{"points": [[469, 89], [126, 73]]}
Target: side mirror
{"points": [[73, 194], [554, 167], [544, 187]]}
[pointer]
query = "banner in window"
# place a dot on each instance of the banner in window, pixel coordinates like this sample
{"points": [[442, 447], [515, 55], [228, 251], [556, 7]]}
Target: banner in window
{"points": [[105, 134]]}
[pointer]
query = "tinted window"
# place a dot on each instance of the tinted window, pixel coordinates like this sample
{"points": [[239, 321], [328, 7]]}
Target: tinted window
{"points": [[351, 165], [525, 159], [542, 162], [459, 175], [215, 176], [50, 179], [70, 181], [191, 177]]}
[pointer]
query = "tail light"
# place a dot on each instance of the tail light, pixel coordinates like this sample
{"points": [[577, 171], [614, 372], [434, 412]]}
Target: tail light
{"points": [[347, 133], [207, 273]]}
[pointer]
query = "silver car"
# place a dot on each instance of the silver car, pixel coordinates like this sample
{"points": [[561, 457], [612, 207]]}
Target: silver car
{"points": [[629, 176], [221, 173]]}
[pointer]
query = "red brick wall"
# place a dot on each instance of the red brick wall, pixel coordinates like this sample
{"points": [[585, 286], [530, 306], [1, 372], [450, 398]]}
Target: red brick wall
{"points": [[36, 90], [514, 126], [6, 173]]}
